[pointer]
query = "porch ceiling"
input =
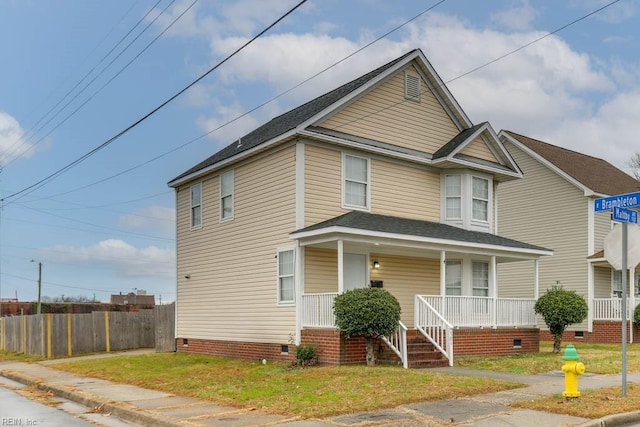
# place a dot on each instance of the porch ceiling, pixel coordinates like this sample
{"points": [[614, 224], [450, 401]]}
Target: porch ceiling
{"points": [[387, 234]]}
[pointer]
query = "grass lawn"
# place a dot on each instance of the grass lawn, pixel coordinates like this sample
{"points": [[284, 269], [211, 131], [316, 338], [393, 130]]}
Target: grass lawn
{"points": [[598, 358], [18, 357], [591, 403], [277, 388]]}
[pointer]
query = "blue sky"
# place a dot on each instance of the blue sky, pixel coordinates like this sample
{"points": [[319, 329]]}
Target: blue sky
{"points": [[98, 229]]}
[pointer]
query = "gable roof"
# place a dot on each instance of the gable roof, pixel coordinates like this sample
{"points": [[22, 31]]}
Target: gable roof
{"points": [[413, 227], [291, 119], [594, 174]]}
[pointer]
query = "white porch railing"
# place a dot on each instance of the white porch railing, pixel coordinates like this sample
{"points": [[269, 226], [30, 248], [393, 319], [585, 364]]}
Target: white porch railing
{"points": [[397, 342], [317, 310], [434, 327], [611, 308], [466, 311]]}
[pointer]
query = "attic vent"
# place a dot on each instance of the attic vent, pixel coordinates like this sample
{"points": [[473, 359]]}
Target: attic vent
{"points": [[412, 86]]}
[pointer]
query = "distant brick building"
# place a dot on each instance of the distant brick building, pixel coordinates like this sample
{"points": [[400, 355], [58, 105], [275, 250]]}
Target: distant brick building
{"points": [[139, 299]]}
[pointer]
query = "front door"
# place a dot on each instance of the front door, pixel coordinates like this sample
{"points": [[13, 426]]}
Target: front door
{"points": [[355, 271]]}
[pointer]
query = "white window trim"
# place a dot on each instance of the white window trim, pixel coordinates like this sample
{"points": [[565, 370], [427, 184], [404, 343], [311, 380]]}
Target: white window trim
{"points": [[191, 206], [232, 194], [367, 206], [613, 282], [292, 275], [488, 200], [488, 287], [461, 263], [466, 209], [451, 197]]}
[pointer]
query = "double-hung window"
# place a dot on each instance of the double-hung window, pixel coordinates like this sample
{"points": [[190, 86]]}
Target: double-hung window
{"points": [[616, 283], [453, 277], [480, 277], [226, 196], [480, 199], [356, 182], [453, 196], [196, 205], [286, 276]]}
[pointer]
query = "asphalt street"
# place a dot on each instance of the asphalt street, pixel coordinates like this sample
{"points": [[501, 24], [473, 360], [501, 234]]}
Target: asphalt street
{"points": [[16, 410]]}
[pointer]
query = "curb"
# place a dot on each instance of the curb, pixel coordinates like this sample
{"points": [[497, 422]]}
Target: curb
{"points": [[614, 420], [98, 404]]}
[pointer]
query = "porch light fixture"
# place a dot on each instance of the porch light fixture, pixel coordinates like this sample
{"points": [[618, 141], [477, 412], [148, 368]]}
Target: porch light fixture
{"points": [[376, 264]]}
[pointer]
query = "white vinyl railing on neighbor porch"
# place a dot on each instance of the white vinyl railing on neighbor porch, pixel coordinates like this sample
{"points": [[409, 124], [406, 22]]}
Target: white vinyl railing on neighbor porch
{"points": [[466, 311], [610, 308], [397, 342]]}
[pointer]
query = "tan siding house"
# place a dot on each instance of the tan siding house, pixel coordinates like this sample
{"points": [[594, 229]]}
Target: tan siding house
{"points": [[553, 206], [383, 182]]}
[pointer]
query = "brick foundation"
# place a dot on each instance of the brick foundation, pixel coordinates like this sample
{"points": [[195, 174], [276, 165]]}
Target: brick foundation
{"points": [[604, 331], [494, 342], [334, 349], [242, 350]]}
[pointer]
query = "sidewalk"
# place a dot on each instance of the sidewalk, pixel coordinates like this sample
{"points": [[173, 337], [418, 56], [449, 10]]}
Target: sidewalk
{"points": [[154, 408]]}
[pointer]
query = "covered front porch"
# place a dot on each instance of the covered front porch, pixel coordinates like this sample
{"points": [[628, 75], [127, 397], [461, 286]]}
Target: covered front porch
{"points": [[445, 278]]}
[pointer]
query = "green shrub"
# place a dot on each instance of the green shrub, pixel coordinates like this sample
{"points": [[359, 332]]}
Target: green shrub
{"points": [[368, 312], [636, 316], [306, 355], [561, 308]]}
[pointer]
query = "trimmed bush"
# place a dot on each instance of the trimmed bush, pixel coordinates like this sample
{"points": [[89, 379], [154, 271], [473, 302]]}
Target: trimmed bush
{"points": [[561, 308], [368, 312]]}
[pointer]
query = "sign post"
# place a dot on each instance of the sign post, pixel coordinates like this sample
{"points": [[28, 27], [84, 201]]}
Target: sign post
{"points": [[618, 205]]}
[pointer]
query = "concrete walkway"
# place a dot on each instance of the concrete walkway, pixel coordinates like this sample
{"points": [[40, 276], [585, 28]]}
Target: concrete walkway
{"points": [[154, 408]]}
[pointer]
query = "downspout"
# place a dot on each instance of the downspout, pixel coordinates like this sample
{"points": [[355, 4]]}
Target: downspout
{"points": [[443, 282], [493, 282]]}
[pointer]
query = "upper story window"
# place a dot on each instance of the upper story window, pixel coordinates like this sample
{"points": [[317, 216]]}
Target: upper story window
{"points": [[453, 197], [226, 196], [356, 175], [467, 200], [480, 198], [196, 205], [286, 268]]}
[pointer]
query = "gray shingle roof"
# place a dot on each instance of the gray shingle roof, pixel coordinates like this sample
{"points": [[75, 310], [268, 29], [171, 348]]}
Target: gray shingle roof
{"points": [[450, 146], [596, 174], [412, 227], [291, 119]]}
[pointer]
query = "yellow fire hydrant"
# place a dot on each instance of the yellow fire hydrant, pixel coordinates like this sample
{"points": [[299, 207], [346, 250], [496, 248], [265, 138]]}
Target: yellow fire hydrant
{"points": [[571, 368]]}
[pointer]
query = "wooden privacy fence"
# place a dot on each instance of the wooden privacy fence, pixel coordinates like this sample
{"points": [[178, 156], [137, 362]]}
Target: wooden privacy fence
{"points": [[52, 335]]}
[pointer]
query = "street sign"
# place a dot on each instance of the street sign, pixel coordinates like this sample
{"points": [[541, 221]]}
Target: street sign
{"points": [[624, 215], [619, 201]]}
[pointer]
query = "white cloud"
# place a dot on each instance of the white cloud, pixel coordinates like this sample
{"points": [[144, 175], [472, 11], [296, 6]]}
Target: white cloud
{"points": [[613, 14], [151, 218], [11, 143], [517, 17], [124, 258]]}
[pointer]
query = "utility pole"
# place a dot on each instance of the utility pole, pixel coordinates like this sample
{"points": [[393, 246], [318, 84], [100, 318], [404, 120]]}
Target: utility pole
{"points": [[39, 307]]}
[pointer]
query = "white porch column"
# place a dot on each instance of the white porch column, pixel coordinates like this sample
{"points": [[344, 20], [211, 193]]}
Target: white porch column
{"points": [[590, 296], [443, 283], [493, 290], [299, 289], [536, 279], [340, 266]]}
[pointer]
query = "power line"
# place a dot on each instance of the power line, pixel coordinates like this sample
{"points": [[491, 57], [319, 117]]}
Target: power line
{"points": [[62, 170], [86, 101], [10, 150], [209, 132]]}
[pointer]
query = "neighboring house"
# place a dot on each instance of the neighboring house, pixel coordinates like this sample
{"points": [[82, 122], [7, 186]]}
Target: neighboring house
{"points": [[383, 181], [138, 298], [554, 206]]}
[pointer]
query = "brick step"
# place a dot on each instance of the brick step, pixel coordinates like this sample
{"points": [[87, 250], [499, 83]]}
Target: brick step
{"points": [[426, 364], [422, 354]]}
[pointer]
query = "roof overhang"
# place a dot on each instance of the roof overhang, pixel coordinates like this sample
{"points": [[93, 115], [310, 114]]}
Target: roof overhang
{"points": [[318, 237]]}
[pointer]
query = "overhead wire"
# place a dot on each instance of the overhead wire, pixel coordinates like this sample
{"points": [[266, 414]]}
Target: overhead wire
{"points": [[87, 100], [10, 150], [106, 143]]}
